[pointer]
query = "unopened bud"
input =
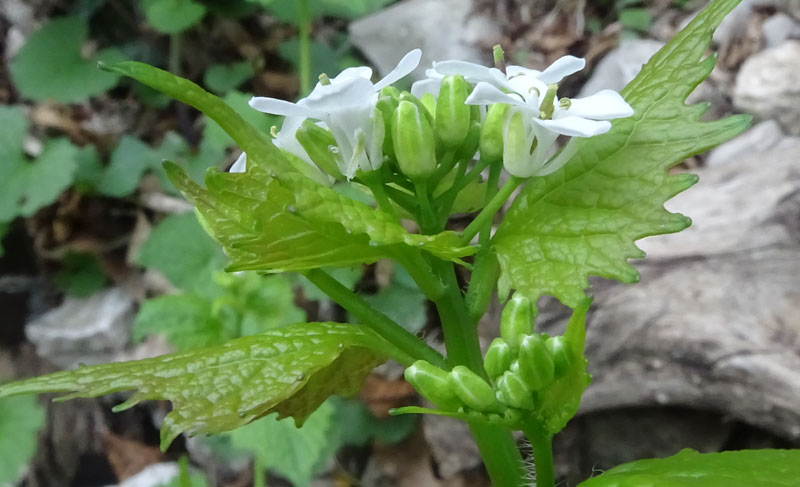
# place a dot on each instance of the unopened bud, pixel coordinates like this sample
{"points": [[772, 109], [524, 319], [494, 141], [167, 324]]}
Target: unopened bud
{"points": [[516, 321], [387, 104], [414, 143], [473, 391], [498, 358], [452, 113], [561, 351], [514, 391], [470, 145], [491, 143], [433, 384], [535, 362], [517, 149], [317, 143]]}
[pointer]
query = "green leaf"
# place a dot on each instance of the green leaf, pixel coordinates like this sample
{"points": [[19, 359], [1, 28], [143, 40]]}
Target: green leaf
{"points": [[223, 78], [288, 11], [293, 453], [356, 425], [635, 19], [289, 222], [129, 161], [291, 371], [745, 468], [185, 320], [80, 275], [238, 101], [323, 58], [26, 186], [50, 64], [21, 418], [583, 219], [401, 300], [180, 249], [172, 16]]}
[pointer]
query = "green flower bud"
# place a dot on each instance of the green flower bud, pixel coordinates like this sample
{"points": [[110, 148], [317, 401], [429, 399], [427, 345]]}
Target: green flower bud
{"points": [[452, 114], [414, 143], [387, 105], [514, 391], [475, 392], [498, 358], [470, 145], [491, 144], [516, 321], [317, 142], [433, 384], [535, 363], [562, 355], [517, 149], [429, 102], [391, 92], [406, 96]]}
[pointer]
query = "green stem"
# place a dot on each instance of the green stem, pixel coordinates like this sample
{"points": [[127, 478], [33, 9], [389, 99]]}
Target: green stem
{"points": [[411, 347], [496, 444], [445, 200], [304, 26], [405, 200], [541, 444], [259, 473], [428, 223], [447, 164], [174, 61], [486, 215], [420, 271], [374, 183]]}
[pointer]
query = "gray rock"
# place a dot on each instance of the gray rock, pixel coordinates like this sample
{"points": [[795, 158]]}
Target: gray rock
{"points": [[733, 26], [768, 86], [759, 138], [89, 330], [621, 65], [779, 28], [443, 29]]}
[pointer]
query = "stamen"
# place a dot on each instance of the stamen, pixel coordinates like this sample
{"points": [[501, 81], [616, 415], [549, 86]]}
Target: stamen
{"points": [[499, 57], [547, 108], [565, 103], [324, 80], [273, 131]]}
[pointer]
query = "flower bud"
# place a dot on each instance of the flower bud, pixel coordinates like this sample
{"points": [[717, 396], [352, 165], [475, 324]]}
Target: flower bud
{"points": [[535, 363], [473, 391], [514, 391], [387, 105], [433, 384], [317, 141], [414, 145], [517, 147], [429, 102], [406, 96], [498, 358], [516, 321], [470, 145], [491, 143], [452, 113], [562, 355]]}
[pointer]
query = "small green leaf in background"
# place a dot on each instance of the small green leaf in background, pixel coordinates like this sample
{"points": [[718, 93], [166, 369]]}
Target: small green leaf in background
{"points": [[129, 161], [293, 453], [290, 370], [27, 185], [172, 16], [4, 227], [323, 58], [356, 425], [583, 219], [180, 249], [745, 468], [287, 10], [222, 78], [185, 320], [21, 418], [401, 301], [80, 275], [50, 65], [638, 19]]}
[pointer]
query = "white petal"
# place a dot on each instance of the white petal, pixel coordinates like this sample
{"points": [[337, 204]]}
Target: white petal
{"points": [[514, 71], [240, 165], [432, 73], [359, 71], [424, 86], [287, 138], [473, 71], [575, 126], [604, 105], [561, 68], [486, 94], [409, 63], [344, 92], [280, 107]]}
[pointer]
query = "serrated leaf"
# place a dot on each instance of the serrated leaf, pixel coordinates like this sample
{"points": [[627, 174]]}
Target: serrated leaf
{"points": [[293, 453], [26, 186], [584, 219], [289, 223], [180, 249], [172, 16], [291, 371], [50, 64], [745, 468], [21, 418]]}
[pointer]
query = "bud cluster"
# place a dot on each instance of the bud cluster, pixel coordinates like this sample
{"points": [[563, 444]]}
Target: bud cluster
{"points": [[520, 364]]}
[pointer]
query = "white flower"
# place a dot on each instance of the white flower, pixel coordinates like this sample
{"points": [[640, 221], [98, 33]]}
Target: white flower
{"points": [[346, 104], [285, 140], [537, 117]]}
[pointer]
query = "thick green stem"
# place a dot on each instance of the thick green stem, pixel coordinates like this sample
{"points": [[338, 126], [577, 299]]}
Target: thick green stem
{"points": [[304, 37], [497, 446], [428, 223], [259, 472], [542, 447], [411, 347], [375, 184], [486, 215]]}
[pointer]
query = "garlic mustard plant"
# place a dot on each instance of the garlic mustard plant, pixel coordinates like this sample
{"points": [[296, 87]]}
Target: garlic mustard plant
{"points": [[592, 175]]}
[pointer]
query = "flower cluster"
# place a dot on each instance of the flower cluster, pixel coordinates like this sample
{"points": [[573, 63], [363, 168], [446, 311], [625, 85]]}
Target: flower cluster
{"points": [[349, 125]]}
